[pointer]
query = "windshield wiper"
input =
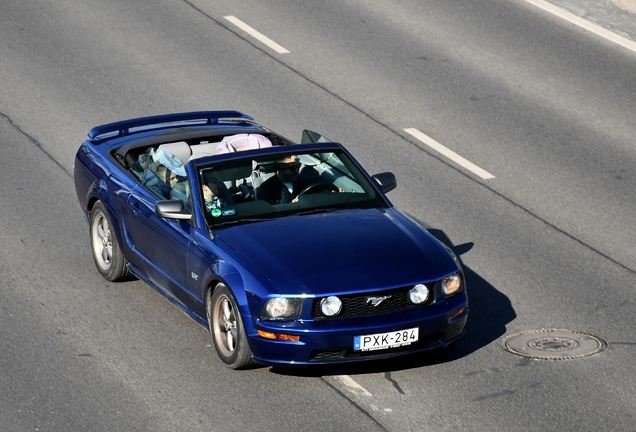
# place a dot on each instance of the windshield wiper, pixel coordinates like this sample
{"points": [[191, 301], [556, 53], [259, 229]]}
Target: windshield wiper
{"points": [[315, 211], [238, 222]]}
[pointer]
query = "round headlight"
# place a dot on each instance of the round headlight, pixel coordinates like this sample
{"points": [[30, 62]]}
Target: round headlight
{"points": [[419, 294], [330, 306], [452, 284]]}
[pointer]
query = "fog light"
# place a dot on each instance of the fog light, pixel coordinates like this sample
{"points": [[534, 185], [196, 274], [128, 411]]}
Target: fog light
{"points": [[330, 306], [419, 294]]}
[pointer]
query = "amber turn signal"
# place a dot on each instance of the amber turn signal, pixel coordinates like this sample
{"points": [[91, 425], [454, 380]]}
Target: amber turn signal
{"points": [[270, 335], [458, 313]]}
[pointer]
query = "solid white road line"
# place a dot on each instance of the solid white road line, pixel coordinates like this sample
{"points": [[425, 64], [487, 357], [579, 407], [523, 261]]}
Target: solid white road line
{"points": [[449, 154], [256, 34], [583, 23]]}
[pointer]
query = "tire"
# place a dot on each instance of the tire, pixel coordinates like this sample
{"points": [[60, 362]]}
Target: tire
{"points": [[109, 259], [226, 327]]}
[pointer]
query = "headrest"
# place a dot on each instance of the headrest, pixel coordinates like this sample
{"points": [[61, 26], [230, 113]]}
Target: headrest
{"points": [[242, 142], [180, 149], [203, 150]]}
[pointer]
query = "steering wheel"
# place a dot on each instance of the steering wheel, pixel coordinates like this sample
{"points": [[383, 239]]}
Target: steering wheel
{"points": [[319, 187]]}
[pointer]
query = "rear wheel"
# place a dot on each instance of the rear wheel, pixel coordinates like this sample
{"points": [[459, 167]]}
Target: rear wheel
{"points": [[226, 328], [109, 259]]}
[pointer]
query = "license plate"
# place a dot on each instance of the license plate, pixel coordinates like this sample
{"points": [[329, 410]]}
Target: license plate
{"points": [[381, 341]]}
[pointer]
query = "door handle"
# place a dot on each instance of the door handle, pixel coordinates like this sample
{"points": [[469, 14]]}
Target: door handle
{"points": [[135, 208]]}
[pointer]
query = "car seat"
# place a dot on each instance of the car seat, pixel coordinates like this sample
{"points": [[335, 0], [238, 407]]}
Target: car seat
{"points": [[242, 142]]}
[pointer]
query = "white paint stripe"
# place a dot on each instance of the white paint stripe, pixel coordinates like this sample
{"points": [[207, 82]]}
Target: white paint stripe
{"points": [[352, 386], [256, 34], [583, 23], [449, 154]]}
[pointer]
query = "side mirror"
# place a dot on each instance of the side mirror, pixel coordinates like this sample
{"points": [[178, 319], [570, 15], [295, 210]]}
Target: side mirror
{"points": [[310, 137], [172, 209], [386, 181]]}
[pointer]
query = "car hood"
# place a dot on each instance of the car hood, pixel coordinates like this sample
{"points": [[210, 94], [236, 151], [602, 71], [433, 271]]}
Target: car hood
{"points": [[340, 251]]}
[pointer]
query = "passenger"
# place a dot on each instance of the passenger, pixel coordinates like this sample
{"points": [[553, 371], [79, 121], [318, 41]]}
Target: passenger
{"points": [[211, 197], [172, 173], [166, 175]]}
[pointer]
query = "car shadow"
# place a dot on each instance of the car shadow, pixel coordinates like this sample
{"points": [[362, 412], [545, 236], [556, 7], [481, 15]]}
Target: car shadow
{"points": [[490, 312]]}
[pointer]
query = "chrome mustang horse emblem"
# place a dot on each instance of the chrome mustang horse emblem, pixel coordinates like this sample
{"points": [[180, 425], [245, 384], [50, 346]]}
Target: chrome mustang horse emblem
{"points": [[377, 300]]}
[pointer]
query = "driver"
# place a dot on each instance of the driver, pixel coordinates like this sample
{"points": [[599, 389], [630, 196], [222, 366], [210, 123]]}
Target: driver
{"points": [[284, 186]]}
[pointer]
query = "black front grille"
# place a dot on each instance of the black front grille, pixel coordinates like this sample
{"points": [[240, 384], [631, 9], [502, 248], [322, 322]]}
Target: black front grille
{"points": [[362, 305]]}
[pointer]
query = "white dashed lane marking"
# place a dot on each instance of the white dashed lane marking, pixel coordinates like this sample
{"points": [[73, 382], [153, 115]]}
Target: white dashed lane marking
{"points": [[449, 154], [351, 385], [256, 34], [583, 23]]}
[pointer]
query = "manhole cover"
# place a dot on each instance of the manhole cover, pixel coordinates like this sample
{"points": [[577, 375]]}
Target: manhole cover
{"points": [[554, 344]]}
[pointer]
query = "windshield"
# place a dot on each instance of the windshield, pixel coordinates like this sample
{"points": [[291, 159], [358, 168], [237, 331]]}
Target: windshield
{"points": [[258, 188]]}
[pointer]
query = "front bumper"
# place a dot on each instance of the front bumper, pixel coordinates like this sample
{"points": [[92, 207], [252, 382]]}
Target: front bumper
{"points": [[331, 342]]}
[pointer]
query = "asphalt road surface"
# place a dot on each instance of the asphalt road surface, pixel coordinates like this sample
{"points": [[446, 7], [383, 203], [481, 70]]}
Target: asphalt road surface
{"points": [[511, 133]]}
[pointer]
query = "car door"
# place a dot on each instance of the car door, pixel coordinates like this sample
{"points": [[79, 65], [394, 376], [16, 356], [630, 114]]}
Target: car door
{"points": [[160, 244]]}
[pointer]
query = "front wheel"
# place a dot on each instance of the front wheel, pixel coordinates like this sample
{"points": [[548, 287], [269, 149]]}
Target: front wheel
{"points": [[226, 327], [109, 259]]}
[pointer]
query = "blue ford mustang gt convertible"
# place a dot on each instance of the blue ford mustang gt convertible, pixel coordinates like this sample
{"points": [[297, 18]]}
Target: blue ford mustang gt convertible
{"points": [[289, 253]]}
